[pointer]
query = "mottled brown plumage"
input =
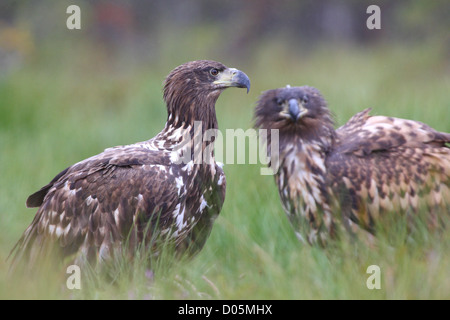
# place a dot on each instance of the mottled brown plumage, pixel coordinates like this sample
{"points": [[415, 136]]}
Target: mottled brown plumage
{"points": [[140, 194], [371, 168]]}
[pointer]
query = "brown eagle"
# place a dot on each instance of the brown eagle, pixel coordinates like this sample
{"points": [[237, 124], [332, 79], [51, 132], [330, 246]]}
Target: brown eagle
{"points": [[352, 177], [139, 194]]}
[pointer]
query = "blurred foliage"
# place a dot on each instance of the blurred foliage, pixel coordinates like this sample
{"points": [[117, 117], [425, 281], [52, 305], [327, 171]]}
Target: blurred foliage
{"points": [[147, 29]]}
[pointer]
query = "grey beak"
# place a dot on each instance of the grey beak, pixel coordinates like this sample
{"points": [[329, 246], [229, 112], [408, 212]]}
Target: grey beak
{"points": [[241, 80], [294, 109], [232, 77]]}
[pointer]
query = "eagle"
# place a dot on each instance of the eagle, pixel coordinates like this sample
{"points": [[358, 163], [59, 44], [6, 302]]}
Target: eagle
{"points": [[147, 194], [351, 179]]}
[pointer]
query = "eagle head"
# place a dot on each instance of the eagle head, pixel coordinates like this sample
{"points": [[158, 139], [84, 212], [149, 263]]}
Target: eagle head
{"points": [[297, 110], [204, 76], [191, 89]]}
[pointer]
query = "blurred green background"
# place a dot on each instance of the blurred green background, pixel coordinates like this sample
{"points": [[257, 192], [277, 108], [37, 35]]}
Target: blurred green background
{"points": [[68, 94]]}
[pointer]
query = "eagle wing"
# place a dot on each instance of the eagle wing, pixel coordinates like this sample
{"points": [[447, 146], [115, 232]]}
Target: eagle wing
{"points": [[364, 134], [388, 164], [94, 205]]}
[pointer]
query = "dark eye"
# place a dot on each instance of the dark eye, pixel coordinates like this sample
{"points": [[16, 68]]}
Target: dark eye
{"points": [[305, 99], [214, 72], [279, 101]]}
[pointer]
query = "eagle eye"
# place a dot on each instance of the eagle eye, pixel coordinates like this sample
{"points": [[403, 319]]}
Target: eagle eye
{"points": [[279, 101], [305, 99], [214, 72]]}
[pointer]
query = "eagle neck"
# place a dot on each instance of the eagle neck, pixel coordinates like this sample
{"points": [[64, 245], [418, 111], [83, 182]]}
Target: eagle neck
{"points": [[302, 175], [190, 132], [194, 111]]}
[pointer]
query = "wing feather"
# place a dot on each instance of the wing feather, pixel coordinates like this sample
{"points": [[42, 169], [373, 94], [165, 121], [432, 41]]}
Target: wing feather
{"points": [[391, 164], [98, 201], [364, 134]]}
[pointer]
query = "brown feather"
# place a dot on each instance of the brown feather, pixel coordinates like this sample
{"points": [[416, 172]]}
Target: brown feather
{"points": [[136, 196], [370, 168]]}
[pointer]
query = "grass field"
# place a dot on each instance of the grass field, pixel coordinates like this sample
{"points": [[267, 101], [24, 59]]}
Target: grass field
{"points": [[64, 106]]}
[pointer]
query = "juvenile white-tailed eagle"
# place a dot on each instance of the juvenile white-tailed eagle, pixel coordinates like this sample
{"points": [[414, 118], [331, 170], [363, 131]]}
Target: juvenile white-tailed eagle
{"points": [[368, 169], [141, 193]]}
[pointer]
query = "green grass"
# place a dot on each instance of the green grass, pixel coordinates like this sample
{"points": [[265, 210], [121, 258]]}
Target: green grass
{"points": [[55, 114]]}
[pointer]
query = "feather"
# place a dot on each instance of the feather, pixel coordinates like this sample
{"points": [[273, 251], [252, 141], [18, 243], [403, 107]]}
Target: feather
{"points": [[370, 168], [135, 195]]}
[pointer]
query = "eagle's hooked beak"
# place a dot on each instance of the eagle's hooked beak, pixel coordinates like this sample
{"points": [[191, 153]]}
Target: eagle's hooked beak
{"points": [[296, 109], [232, 77]]}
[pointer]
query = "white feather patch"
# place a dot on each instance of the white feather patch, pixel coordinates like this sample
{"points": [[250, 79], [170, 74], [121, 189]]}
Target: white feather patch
{"points": [[116, 216], [174, 157], [59, 231], [203, 204], [67, 229], [161, 143], [176, 211], [180, 184], [180, 220], [51, 228], [89, 200], [177, 134], [188, 167], [148, 146]]}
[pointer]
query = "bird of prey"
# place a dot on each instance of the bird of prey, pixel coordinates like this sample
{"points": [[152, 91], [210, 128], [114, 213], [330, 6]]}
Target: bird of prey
{"points": [[356, 176], [141, 194]]}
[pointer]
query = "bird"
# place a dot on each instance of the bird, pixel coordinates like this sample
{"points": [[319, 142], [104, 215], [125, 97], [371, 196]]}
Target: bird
{"points": [[353, 179], [147, 194]]}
